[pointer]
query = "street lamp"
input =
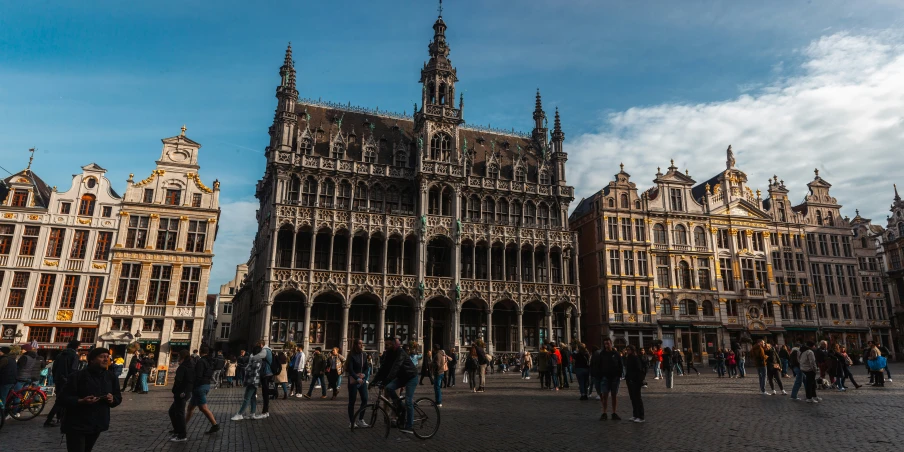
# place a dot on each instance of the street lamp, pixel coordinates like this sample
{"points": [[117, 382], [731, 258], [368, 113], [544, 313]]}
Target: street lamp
{"points": [[18, 336]]}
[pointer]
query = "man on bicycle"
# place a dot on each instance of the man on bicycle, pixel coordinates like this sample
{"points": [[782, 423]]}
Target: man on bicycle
{"points": [[398, 371]]}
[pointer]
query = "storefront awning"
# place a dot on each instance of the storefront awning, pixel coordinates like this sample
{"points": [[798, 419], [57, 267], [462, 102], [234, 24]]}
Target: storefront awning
{"points": [[735, 328], [800, 328], [178, 343], [846, 330], [708, 326], [776, 330]]}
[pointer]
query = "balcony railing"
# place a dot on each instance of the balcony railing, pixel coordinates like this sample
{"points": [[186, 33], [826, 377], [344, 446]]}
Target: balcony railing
{"points": [[154, 311], [89, 316], [4, 259], [74, 265], [12, 313], [25, 261], [40, 314], [755, 293], [619, 317]]}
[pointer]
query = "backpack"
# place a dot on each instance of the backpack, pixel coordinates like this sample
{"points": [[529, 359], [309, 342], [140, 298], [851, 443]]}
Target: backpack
{"points": [[219, 363], [252, 373], [275, 365]]}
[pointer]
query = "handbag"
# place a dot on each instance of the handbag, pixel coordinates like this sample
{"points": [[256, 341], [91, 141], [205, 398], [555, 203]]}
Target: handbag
{"points": [[464, 379], [877, 364]]}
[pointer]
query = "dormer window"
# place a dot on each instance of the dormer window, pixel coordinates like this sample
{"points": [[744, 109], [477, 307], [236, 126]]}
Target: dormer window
{"points": [[676, 198], [338, 150], [370, 154], [623, 200], [544, 178], [519, 174], [91, 183], [440, 147], [20, 198], [818, 217], [493, 172], [148, 196], [401, 159], [307, 145], [173, 197], [86, 205], [65, 207]]}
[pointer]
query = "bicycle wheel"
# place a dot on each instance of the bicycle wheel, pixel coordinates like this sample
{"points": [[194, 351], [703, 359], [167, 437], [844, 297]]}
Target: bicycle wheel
{"points": [[375, 419], [30, 407], [426, 418]]}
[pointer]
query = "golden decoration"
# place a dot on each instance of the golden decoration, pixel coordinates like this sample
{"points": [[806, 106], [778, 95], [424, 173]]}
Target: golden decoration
{"points": [[99, 266], [766, 234], [197, 180], [183, 218], [34, 217], [211, 220], [154, 215], [732, 231], [51, 263], [123, 213], [64, 316], [155, 173], [84, 220], [23, 180]]}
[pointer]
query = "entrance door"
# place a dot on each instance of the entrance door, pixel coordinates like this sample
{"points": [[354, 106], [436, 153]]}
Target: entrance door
{"points": [[691, 339]]}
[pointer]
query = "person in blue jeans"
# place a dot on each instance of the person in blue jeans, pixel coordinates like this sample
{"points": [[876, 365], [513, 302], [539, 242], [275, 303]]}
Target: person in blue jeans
{"points": [[318, 367], [396, 372], [357, 368], [439, 367], [794, 364], [758, 353]]}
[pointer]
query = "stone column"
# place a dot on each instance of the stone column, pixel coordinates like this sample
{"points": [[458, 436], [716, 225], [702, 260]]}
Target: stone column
{"points": [[294, 236], [568, 325], [577, 325], [490, 343], [265, 334], [307, 326], [381, 330], [367, 255], [313, 252], [330, 259], [456, 326], [520, 329], [348, 260], [549, 325], [344, 339]]}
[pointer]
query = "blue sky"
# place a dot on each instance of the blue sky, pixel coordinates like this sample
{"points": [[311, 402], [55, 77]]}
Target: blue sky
{"points": [[641, 82]]}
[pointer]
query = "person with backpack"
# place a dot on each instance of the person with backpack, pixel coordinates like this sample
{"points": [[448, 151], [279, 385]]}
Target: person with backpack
{"points": [[482, 372], [204, 371], [65, 364], [251, 380], [634, 375], [183, 384], [318, 366], [269, 367], [219, 364], [472, 366], [134, 366], [88, 397]]}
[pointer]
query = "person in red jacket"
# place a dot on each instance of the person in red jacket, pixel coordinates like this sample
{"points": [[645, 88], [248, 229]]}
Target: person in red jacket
{"points": [[657, 360], [558, 354]]}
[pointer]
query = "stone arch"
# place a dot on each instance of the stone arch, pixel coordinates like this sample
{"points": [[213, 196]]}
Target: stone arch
{"points": [[439, 256], [326, 319], [364, 318], [287, 316], [437, 327]]}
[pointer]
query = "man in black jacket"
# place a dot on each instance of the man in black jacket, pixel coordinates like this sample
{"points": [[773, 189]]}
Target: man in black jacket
{"points": [[634, 374], [134, 361], [182, 388], [397, 371], [204, 369], [88, 397], [65, 364], [609, 367]]}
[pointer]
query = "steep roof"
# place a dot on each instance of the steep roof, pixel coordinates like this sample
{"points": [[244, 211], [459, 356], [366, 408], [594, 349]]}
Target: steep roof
{"points": [[41, 189]]}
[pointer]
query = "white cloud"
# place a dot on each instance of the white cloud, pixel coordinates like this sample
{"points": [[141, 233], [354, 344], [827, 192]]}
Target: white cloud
{"points": [[840, 112], [238, 225]]}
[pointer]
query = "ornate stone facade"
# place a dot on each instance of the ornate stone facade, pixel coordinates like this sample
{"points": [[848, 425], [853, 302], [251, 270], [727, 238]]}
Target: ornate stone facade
{"points": [[707, 265], [374, 224], [162, 257], [55, 256], [891, 250]]}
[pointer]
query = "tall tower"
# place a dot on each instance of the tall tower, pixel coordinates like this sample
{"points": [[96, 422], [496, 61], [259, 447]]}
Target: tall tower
{"points": [[284, 129], [437, 121], [559, 155]]}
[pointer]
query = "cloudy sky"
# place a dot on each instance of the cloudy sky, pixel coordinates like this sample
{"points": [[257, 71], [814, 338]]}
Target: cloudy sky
{"points": [[792, 85]]}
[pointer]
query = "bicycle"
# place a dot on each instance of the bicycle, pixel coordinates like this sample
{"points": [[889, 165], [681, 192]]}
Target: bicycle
{"points": [[26, 403], [375, 416]]}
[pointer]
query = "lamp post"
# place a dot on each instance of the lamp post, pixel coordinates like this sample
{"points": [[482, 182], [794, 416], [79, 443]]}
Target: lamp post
{"points": [[430, 343], [18, 336]]}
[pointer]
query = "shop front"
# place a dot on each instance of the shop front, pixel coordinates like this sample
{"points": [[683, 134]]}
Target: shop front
{"points": [[174, 348], [703, 340], [800, 335]]}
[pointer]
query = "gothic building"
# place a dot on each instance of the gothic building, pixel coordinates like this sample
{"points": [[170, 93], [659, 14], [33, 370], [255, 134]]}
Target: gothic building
{"points": [[54, 256], [891, 243], [706, 265], [374, 224]]}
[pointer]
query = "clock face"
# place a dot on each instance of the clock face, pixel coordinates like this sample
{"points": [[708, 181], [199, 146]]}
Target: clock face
{"points": [[178, 156]]}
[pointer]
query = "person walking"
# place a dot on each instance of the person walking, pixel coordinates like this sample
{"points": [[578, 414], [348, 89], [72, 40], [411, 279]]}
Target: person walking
{"points": [[679, 360], [88, 397], [656, 361], [809, 367], [482, 371], [565, 373], [250, 381], [543, 367], [741, 357], [297, 364], [281, 379], [784, 354], [846, 363], [689, 360], [240, 363], [65, 364], [182, 392], [204, 370], [219, 365], [134, 365], [318, 365], [582, 370], [608, 365], [472, 366], [667, 367], [758, 353], [885, 354], [527, 361], [144, 373], [333, 366], [634, 375], [774, 369], [426, 366], [440, 366], [453, 363], [732, 361], [356, 369], [794, 364], [231, 367], [267, 366]]}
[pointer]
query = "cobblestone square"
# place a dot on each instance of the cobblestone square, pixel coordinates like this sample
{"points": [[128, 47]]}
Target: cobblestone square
{"points": [[700, 414]]}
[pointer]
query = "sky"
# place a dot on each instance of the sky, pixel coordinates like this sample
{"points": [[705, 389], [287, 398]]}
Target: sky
{"points": [[791, 85]]}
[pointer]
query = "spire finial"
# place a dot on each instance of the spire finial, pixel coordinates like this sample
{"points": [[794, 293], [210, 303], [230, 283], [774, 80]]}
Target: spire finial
{"points": [[183, 131], [816, 171], [440, 9], [621, 166], [857, 211], [32, 157], [897, 198], [730, 162]]}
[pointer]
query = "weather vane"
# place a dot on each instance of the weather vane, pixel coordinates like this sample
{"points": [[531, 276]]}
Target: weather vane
{"points": [[440, 9]]}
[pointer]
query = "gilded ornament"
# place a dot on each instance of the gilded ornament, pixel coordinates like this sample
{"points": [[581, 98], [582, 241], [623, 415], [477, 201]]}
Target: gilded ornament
{"points": [[84, 220], [64, 316], [51, 263]]}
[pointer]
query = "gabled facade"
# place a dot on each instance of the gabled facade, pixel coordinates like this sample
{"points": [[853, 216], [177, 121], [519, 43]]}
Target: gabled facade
{"points": [[891, 249], [375, 224], [55, 256], [162, 257]]}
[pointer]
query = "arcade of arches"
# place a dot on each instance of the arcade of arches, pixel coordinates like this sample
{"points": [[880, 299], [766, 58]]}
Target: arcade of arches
{"points": [[328, 322]]}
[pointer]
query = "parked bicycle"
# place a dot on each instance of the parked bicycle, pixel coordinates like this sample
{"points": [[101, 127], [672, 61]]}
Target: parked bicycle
{"points": [[25, 404], [377, 417]]}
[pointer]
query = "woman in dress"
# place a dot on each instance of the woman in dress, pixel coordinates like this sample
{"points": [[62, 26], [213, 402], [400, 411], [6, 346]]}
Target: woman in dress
{"points": [[472, 364], [333, 366], [230, 370], [282, 378]]}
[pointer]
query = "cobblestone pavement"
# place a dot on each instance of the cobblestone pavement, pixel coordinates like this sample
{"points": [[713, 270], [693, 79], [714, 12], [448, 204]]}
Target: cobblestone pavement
{"points": [[700, 414]]}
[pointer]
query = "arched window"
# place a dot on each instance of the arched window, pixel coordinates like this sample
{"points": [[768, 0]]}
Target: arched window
{"points": [[326, 193], [611, 203], [623, 200], [687, 307], [431, 93], [515, 218], [489, 209], [503, 211], [307, 145], [680, 234], [637, 205], [474, 208], [699, 237], [659, 234], [440, 147], [544, 177], [309, 191], [361, 196], [830, 220], [86, 206], [519, 174], [370, 154], [665, 308], [493, 172], [376, 199], [442, 93], [294, 188], [708, 309], [344, 200], [543, 215], [900, 229], [407, 200], [530, 213], [684, 275], [392, 199], [338, 151], [818, 217], [401, 159]]}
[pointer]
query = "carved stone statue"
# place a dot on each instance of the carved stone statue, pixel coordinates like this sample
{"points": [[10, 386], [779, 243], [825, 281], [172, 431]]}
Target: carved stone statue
{"points": [[458, 227], [420, 291], [423, 228], [458, 292], [731, 160]]}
